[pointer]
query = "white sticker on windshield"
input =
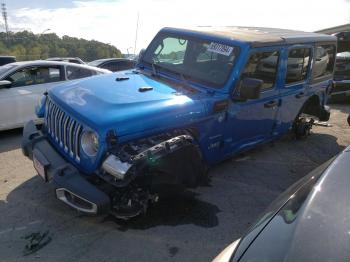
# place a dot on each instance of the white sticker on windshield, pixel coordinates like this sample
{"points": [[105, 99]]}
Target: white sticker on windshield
{"points": [[220, 49]]}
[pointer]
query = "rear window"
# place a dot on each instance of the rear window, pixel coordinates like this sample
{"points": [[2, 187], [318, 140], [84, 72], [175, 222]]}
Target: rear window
{"points": [[324, 61], [78, 72], [124, 65], [112, 66]]}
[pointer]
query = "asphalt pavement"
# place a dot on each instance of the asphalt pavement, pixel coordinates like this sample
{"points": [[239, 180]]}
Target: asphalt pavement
{"points": [[194, 226]]}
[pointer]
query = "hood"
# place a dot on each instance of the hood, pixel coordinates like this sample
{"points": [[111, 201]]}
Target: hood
{"points": [[103, 103]]}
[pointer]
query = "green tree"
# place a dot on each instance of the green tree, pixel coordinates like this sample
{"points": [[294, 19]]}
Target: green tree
{"points": [[27, 46]]}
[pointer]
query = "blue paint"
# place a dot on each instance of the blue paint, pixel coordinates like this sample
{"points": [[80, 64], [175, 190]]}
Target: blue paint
{"points": [[101, 103]]}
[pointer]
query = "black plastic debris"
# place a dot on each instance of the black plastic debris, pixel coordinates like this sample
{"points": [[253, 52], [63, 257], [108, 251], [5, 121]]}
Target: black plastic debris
{"points": [[121, 78], [145, 88], [36, 241]]}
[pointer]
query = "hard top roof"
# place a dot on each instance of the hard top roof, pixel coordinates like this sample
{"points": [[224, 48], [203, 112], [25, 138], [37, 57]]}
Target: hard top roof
{"points": [[260, 36]]}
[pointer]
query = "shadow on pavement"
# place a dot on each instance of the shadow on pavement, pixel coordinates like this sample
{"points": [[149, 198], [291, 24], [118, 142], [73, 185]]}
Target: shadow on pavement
{"points": [[260, 170], [181, 209], [342, 106], [10, 139]]}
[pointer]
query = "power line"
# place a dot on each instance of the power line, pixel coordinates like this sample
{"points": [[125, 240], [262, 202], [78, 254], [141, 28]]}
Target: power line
{"points": [[137, 28], [4, 16]]}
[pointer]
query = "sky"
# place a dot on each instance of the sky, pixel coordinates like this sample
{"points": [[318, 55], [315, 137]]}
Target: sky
{"points": [[114, 21]]}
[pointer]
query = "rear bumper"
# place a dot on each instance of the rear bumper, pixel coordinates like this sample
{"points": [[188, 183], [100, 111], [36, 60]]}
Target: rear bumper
{"points": [[71, 187]]}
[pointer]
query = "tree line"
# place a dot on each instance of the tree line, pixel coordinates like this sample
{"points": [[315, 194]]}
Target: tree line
{"points": [[28, 46]]}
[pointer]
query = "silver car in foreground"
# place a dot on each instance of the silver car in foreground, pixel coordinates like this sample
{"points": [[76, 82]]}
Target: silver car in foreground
{"points": [[308, 222], [23, 83]]}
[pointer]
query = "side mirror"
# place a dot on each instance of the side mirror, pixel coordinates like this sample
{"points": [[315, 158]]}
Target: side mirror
{"points": [[251, 88], [5, 83]]}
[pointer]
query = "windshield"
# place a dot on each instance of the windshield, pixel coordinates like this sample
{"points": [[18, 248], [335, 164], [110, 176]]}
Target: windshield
{"points": [[202, 61], [5, 68]]}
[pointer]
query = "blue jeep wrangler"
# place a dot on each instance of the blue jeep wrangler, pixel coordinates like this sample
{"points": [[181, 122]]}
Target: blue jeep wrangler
{"points": [[115, 143]]}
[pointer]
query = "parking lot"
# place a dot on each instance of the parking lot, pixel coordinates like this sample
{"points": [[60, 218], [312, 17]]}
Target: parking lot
{"points": [[192, 227]]}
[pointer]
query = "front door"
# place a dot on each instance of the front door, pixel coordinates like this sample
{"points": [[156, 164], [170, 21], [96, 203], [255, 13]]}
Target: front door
{"points": [[252, 122]]}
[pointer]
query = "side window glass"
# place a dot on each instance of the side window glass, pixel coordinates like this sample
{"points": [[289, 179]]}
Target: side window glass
{"points": [[47, 75], [73, 61], [112, 66], [35, 76], [263, 66], [23, 77], [324, 61], [54, 74], [74, 72], [298, 64], [124, 65]]}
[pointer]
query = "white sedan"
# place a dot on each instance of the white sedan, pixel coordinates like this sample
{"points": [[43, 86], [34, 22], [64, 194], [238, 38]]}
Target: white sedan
{"points": [[22, 84]]}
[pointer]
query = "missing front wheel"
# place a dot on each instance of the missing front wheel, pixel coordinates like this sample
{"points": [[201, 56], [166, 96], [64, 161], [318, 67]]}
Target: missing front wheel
{"points": [[302, 127]]}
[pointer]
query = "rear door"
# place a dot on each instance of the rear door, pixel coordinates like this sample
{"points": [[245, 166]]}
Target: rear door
{"points": [[28, 85], [253, 121], [295, 84]]}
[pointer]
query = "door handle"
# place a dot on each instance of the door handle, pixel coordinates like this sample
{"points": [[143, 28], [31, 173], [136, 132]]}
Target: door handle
{"points": [[270, 104], [300, 95]]}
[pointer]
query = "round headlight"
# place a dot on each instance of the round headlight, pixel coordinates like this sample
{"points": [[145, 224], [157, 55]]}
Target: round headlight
{"points": [[89, 143]]}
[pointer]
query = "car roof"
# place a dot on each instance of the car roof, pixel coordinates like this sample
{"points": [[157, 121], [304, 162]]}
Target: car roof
{"points": [[7, 56], [55, 63], [111, 59], [258, 36], [63, 58]]}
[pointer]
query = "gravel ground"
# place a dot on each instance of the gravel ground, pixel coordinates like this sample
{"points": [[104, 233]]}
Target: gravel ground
{"points": [[194, 226]]}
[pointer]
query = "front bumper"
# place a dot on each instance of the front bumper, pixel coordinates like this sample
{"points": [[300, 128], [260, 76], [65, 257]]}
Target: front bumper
{"points": [[71, 187]]}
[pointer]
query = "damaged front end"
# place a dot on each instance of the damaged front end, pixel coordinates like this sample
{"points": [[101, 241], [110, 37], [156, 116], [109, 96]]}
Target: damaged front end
{"points": [[137, 173]]}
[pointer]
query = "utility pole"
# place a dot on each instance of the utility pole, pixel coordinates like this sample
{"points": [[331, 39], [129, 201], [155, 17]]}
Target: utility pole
{"points": [[4, 16], [137, 28]]}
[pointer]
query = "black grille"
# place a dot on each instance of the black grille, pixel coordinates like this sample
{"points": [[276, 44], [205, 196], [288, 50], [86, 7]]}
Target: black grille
{"points": [[63, 129]]}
